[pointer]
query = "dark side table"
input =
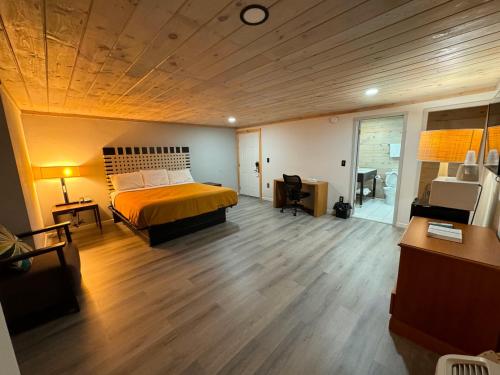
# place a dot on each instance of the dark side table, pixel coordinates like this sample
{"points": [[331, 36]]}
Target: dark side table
{"points": [[74, 208]]}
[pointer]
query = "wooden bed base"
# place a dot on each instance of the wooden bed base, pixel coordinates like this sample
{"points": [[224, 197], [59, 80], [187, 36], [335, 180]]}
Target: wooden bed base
{"points": [[157, 234]]}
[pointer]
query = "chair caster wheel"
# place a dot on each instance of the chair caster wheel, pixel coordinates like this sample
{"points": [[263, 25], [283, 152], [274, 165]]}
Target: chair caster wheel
{"points": [[281, 211]]}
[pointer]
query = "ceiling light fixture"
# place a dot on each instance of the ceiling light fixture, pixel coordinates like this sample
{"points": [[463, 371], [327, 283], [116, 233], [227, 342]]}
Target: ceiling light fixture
{"points": [[254, 14], [371, 92], [231, 119]]}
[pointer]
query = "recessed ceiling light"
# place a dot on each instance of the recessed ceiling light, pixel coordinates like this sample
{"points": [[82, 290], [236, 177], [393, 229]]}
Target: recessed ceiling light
{"points": [[254, 14], [371, 92], [231, 119]]}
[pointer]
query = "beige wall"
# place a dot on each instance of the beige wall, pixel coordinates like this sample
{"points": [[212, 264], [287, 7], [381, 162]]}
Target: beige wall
{"points": [[56, 140], [311, 148], [374, 139], [20, 209], [316, 147]]}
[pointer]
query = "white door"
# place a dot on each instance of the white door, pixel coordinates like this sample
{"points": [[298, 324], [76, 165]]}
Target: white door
{"points": [[249, 164]]}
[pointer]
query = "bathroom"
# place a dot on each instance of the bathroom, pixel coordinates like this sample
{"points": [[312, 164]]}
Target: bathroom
{"points": [[378, 163]]}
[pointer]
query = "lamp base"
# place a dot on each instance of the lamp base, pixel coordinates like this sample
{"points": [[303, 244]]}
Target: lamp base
{"points": [[443, 169], [468, 172]]}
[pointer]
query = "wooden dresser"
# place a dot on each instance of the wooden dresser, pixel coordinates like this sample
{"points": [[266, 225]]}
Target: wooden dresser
{"points": [[447, 295]]}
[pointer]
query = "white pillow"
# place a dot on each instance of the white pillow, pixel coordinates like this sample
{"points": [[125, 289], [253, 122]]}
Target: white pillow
{"points": [[180, 176], [127, 181], [155, 177]]}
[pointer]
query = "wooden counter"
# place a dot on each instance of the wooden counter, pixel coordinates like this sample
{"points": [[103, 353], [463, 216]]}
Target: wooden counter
{"points": [[447, 296]]}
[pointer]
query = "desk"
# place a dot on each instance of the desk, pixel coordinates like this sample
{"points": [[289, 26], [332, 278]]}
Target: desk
{"points": [[447, 297], [74, 208], [366, 174], [315, 204]]}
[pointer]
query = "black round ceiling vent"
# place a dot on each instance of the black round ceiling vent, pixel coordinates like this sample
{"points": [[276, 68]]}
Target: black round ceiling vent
{"points": [[254, 14]]}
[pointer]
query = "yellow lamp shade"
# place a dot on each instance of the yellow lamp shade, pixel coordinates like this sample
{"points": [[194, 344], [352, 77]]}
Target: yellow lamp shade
{"points": [[449, 145], [41, 173]]}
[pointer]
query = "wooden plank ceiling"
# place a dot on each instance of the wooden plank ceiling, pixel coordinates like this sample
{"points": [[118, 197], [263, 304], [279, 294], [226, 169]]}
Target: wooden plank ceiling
{"points": [[194, 61]]}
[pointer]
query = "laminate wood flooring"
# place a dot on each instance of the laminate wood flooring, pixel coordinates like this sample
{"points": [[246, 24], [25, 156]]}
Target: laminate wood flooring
{"points": [[265, 293]]}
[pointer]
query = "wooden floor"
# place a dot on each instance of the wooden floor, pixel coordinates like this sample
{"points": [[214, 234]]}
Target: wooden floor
{"points": [[263, 293]]}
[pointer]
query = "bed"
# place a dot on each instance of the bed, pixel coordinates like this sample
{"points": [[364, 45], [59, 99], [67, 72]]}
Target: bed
{"points": [[164, 212]]}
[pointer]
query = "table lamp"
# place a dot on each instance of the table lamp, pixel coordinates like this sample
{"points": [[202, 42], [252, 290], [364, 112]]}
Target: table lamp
{"points": [[61, 172], [448, 146]]}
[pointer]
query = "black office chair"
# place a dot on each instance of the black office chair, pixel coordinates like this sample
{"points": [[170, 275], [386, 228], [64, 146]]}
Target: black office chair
{"points": [[294, 193]]}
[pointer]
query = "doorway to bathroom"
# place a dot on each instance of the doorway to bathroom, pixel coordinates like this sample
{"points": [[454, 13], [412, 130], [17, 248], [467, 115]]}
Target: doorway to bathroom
{"points": [[376, 175]]}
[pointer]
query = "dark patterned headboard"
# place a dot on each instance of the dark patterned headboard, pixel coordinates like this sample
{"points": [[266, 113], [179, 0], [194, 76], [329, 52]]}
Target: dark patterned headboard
{"points": [[134, 158]]}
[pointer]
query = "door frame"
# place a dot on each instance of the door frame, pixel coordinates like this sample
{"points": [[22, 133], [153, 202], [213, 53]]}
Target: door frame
{"points": [[355, 158], [245, 131]]}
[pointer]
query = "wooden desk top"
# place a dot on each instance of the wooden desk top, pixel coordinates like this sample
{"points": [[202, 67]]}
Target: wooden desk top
{"points": [[73, 206], [306, 182], [480, 245]]}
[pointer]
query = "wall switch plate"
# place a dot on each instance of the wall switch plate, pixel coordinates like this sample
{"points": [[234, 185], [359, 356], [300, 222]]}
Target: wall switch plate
{"points": [[268, 186], [342, 163]]}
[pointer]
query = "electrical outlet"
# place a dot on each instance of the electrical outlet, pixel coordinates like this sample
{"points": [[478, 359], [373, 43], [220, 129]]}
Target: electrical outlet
{"points": [[341, 198], [268, 160], [268, 186], [342, 163]]}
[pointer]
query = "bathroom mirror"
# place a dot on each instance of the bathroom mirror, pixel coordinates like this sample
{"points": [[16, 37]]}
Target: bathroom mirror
{"points": [[492, 145], [460, 118]]}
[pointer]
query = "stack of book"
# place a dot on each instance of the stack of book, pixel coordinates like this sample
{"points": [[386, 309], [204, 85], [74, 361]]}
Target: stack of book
{"points": [[444, 231]]}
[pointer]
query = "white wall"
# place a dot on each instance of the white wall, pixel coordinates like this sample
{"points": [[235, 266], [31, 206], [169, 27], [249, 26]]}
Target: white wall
{"points": [[8, 363], [310, 148], [59, 140], [487, 213], [316, 147]]}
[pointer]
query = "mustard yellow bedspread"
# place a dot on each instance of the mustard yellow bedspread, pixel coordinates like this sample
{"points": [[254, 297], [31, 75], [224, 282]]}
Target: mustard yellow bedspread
{"points": [[161, 205]]}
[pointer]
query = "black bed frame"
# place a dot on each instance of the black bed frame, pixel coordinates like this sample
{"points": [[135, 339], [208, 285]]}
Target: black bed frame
{"points": [[124, 159], [157, 234]]}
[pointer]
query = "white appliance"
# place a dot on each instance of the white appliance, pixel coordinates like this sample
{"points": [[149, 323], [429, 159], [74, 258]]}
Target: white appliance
{"points": [[391, 182], [452, 193], [466, 365]]}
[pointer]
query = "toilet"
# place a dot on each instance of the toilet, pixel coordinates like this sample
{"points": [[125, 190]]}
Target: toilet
{"points": [[391, 182]]}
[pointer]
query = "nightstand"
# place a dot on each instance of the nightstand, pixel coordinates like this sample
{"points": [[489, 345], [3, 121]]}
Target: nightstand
{"points": [[212, 183], [74, 208]]}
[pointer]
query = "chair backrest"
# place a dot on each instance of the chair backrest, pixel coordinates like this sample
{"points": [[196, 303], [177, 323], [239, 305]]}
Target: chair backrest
{"points": [[293, 186]]}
